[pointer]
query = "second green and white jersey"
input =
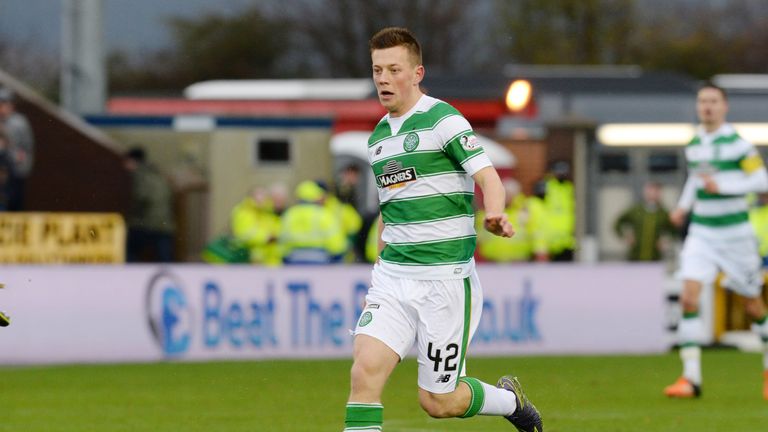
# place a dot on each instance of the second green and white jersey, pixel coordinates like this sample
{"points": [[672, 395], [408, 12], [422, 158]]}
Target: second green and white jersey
{"points": [[423, 162], [737, 168]]}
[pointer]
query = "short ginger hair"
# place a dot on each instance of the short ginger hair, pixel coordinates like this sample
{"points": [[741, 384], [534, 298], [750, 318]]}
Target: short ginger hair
{"points": [[391, 37]]}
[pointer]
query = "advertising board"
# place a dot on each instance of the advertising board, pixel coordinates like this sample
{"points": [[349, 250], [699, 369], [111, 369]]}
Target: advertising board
{"points": [[65, 314]]}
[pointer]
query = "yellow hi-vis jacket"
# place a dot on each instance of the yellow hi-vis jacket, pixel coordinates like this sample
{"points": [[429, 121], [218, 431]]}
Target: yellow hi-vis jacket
{"points": [[311, 233], [372, 243], [758, 217], [501, 249], [350, 220], [560, 210], [257, 228], [537, 229]]}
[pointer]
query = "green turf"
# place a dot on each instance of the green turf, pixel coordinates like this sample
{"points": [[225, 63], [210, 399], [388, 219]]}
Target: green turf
{"points": [[573, 394]]}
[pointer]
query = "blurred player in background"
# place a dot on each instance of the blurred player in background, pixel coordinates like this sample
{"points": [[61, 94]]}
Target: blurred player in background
{"points": [[723, 168], [424, 287]]}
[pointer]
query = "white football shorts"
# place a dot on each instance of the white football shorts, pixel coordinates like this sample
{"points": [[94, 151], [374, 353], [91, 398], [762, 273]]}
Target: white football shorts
{"points": [[738, 258], [439, 315]]}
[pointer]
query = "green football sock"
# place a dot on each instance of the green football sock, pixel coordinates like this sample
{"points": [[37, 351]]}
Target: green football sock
{"points": [[478, 396], [364, 417], [762, 327]]}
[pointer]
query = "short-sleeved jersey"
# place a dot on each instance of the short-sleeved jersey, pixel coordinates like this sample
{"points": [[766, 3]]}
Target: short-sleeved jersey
{"points": [[729, 159], [423, 173]]}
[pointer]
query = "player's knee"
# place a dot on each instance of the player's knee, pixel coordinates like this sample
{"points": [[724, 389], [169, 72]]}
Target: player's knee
{"points": [[689, 298], [437, 406], [689, 304], [366, 374], [361, 372], [434, 408], [754, 308]]}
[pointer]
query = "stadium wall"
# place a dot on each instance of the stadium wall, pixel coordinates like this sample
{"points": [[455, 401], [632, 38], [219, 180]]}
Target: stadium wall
{"points": [[145, 313]]}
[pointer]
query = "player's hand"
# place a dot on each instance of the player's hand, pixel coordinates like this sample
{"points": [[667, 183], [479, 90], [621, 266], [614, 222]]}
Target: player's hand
{"points": [[710, 185], [498, 224], [677, 217]]}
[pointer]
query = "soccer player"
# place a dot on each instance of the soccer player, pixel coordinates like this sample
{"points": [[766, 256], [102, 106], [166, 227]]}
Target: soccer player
{"points": [[723, 168], [424, 286]]}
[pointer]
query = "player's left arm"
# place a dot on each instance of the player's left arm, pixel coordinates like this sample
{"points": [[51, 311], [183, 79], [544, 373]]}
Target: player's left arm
{"points": [[754, 180], [380, 229], [495, 221], [463, 146]]}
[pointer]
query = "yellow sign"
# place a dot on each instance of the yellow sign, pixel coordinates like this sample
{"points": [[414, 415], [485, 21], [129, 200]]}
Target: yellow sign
{"points": [[62, 238]]}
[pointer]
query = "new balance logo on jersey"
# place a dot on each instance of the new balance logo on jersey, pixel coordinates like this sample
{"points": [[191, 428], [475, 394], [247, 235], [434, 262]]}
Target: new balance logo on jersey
{"points": [[444, 378]]}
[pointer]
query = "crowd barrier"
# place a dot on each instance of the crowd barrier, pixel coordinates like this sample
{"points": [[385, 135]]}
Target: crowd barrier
{"points": [[137, 313]]}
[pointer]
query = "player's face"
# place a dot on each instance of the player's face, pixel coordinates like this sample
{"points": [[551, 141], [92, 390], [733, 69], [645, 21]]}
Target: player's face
{"points": [[397, 79], [5, 109], [711, 107]]}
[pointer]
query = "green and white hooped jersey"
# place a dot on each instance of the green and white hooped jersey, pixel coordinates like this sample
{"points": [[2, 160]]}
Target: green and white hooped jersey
{"points": [[423, 173], [731, 161]]}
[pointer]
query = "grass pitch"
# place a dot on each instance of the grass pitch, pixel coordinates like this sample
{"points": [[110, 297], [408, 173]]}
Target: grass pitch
{"points": [[617, 394]]}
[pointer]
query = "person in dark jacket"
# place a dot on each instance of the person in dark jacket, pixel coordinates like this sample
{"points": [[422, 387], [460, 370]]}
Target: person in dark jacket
{"points": [[151, 223], [645, 225], [20, 151]]}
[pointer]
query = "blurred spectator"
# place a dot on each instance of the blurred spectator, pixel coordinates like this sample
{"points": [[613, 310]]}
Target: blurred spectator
{"points": [[151, 223], [502, 249], [350, 220], [758, 216], [371, 251], [560, 207], [278, 194], [256, 226], [348, 191], [311, 233], [348, 184], [537, 222], [20, 150], [645, 226], [6, 168]]}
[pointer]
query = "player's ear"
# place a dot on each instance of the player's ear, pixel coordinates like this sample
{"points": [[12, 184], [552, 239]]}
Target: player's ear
{"points": [[419, 75]]}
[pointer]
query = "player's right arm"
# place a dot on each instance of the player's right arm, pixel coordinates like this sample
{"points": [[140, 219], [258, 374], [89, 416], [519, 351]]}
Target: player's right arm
{"points": [[684, 204], [495, 220]]}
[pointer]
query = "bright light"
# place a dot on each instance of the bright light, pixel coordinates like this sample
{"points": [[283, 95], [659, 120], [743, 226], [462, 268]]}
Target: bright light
{"points": [[518, 95], [669, 134], [649, 134], [282, 89], [756, 133]]}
